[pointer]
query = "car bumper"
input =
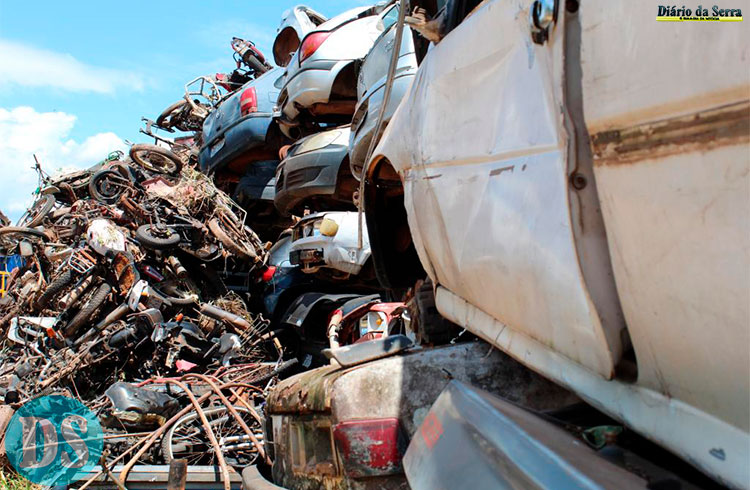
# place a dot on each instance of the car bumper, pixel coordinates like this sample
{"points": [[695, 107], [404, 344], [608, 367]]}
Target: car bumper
{"points": [[366, 116], [315, 252], [311, 84], [246, 134], [314, 173]]}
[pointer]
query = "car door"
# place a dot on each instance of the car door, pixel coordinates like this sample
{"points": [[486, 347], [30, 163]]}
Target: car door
{"points": [[487, 185], [672, 164]]}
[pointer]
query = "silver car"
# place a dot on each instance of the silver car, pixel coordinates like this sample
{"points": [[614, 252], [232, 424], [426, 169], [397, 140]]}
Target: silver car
{"points": [[321, 77], [295, 24], [371, 86]]}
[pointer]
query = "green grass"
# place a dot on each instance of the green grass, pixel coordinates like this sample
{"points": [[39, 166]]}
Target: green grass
{"points": [[12, 481]]}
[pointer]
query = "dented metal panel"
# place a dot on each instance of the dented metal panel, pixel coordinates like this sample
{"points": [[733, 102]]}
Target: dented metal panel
{"points": [[490, 194], [486, 189], [399, 388]]}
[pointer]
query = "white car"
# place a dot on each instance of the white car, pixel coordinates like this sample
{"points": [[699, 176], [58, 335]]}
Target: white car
{"points": [[329, 240], [580, 200], [320, 83]]}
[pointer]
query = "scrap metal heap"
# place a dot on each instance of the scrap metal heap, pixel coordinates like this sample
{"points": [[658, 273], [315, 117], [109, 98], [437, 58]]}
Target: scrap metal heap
{"points": [[120, 303]]}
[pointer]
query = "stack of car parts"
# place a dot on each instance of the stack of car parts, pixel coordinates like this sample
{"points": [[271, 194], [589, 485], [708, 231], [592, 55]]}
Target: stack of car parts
{"points": [[120, 283]]}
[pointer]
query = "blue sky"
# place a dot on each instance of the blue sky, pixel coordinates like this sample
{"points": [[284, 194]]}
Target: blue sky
{"points": [[76, 77]]}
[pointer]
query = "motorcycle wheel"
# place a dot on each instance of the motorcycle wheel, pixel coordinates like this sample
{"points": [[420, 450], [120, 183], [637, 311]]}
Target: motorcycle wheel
{"points": [[151, 237], [90, 309], [187, 439], [106, 186], [37, 212], [166, 118], [156, 159], [55, 287], [232, 239]]}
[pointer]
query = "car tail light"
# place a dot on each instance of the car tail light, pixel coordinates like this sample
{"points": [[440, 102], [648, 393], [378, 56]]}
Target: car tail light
{"points": [[371, 447], [311, 44], [248, 101], [268, 273]]}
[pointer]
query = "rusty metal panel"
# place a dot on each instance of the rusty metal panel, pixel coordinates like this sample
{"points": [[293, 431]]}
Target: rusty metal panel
{"points": [[304, 393]]}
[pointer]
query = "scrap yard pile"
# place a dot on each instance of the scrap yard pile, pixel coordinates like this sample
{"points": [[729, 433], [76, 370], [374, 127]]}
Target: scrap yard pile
{"points": [[169, 290], [406, 251], [120, 303]]}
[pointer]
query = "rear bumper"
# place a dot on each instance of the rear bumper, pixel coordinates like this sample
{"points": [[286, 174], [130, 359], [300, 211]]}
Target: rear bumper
{"points": [[310, 85], [248, 133], [314, 173]]}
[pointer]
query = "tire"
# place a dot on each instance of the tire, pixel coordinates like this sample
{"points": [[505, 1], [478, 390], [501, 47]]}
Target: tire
{"points": [[283, 368], [37, 212], [253, 62], [243, 251], [55, 287], [103, 191], [431, 327], [89, 311], [156, 159], [149, 238], [7, 232], [165, 118]]}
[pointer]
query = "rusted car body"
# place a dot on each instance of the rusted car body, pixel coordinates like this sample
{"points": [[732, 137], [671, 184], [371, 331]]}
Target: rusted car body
{"points": [[587, 212], [340, 428]]}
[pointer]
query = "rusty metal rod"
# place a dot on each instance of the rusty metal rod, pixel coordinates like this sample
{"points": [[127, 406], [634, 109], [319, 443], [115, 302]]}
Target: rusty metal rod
{"points": [[149, 441], [206, 426], [235, 414]]}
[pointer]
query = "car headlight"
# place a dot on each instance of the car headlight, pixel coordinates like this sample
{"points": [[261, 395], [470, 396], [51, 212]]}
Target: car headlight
{"points": [[373, 321], [328, 227], [318, 141]]}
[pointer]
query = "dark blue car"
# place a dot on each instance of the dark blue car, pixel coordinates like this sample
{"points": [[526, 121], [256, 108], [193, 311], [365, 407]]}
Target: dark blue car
{"points": [[241, 130]]}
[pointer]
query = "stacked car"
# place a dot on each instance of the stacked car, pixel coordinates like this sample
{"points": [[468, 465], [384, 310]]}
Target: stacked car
{"points": [[493, 255]]}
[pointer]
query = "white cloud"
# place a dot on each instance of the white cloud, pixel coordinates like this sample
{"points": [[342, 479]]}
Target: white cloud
{"points": [[24, 133], [27, 66]]}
